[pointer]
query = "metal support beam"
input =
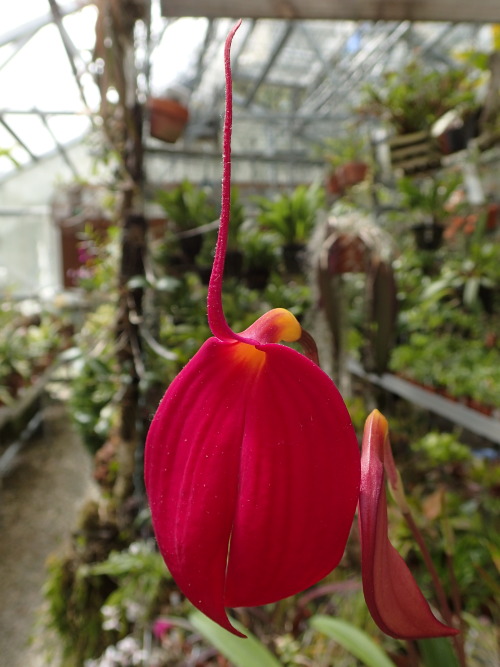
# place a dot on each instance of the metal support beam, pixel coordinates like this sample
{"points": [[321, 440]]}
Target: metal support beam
{"points": [[70, 49], [18, 139], [297, 158], [276, 50], [481, 11], [60, 148], [31, 27]]}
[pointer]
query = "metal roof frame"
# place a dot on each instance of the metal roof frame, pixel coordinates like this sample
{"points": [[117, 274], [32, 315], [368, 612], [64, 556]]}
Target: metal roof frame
{"points": [[300, 104]]}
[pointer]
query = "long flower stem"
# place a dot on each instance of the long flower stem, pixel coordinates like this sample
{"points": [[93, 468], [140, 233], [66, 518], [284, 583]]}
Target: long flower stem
{"points": [[216, 319]]}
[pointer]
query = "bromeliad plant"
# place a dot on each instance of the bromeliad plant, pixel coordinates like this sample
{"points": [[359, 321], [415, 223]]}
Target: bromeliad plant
{"points": [[253, 471]]}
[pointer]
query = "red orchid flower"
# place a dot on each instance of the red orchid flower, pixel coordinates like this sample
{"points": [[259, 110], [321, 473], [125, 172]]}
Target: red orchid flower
{"points": [[252, 466]]}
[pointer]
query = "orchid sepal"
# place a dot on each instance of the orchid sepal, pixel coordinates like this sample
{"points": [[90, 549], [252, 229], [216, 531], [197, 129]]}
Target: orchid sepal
{"points": [[391, 593], [252, 471]]}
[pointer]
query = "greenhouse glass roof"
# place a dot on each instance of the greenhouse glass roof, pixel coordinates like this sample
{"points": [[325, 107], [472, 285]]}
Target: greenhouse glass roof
{"points": [[295, 81]]}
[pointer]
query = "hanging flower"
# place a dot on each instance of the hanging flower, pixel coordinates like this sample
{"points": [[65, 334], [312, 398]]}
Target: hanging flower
{"points": [[252, 465], [391, 593]]}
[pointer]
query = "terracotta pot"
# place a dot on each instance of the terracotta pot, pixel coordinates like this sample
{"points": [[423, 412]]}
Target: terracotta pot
{"points": [[492, 219], [352, 173], [167, 119], [333, 184]]}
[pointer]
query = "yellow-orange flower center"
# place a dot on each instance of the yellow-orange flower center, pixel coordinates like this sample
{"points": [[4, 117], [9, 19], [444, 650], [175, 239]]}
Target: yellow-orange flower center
{"points": [[274, 326]]}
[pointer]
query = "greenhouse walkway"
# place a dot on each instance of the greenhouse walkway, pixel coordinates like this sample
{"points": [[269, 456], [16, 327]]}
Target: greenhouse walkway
{"points": [[39, 502]]}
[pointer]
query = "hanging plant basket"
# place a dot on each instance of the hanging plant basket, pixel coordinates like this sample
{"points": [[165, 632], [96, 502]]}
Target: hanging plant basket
{"points": [[167, 119], [333, 184], [352, 173], [457, 134], [414, 153]]}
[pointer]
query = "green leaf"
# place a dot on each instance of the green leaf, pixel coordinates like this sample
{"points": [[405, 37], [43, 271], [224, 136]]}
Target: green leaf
{"points": [[437, 651], [137, 282], [354, 640], [247, 652]]}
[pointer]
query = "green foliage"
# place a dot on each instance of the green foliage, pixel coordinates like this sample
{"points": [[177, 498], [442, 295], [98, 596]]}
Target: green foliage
{"points": [[437, 651], [291, 216], [138, 574], [74, 610], [187, 205], [29, 344], [354, 640], [415, 96], [237, 219], [351, 146], [99, 253], [98, 379], [429, 197], [260, 250], [440, 448], [248, 653], [446, 334]]}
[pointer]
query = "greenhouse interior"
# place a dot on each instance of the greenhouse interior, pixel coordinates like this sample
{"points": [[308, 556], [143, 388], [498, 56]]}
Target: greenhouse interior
{"points": [[250, 277]]}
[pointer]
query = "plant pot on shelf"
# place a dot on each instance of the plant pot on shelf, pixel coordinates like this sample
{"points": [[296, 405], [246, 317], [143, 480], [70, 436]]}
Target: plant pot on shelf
{"points": [[293, 257], [428, 236], [167, 118]]}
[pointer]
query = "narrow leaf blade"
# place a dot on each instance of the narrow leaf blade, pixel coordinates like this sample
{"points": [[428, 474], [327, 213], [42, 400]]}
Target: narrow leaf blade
{"points": [[353, 640], [247, 652], [437, 651]]}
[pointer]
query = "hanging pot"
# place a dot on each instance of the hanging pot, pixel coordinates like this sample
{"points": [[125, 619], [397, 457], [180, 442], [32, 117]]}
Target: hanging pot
{"points": [[167, 118], [352, 173], [333, 184]]}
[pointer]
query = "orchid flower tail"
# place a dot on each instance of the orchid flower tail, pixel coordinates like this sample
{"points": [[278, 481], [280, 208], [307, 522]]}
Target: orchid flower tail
{"points": [[216, 319], [391, 593]]}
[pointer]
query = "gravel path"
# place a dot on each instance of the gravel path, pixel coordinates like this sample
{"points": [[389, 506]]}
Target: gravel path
{"points": [[39, 502]]}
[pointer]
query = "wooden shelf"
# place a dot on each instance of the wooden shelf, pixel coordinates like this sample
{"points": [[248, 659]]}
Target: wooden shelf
{"points": [[479, 424]]}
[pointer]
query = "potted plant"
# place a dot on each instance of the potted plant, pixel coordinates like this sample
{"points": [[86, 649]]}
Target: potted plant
{"points": [[348, 159], [411, 100], [292, 217], [188, 207], [260, 258], [428, 201]]}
